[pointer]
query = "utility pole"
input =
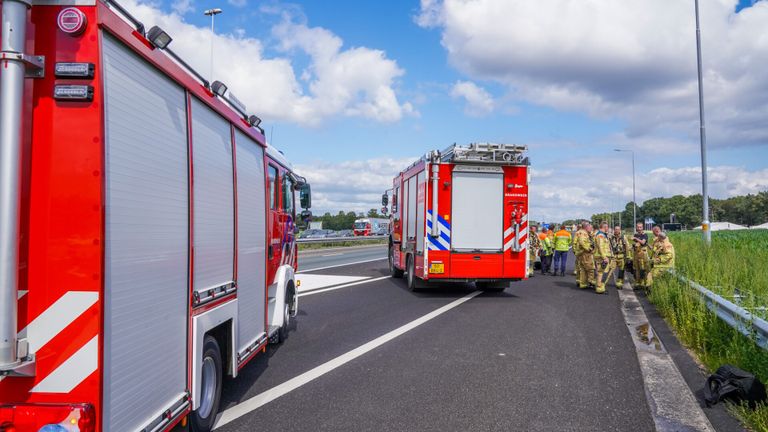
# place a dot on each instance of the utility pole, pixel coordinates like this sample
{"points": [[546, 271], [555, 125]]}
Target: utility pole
{"points": [[634, 191], [703, 137], [212, 13]]}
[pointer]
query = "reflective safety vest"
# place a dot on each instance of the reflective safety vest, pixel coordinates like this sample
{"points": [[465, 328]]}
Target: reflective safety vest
{"points": [[563, 241]]}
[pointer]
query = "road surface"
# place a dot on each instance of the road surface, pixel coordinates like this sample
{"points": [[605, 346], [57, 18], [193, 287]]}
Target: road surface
{"points": [[312, 259], [366, 354]]}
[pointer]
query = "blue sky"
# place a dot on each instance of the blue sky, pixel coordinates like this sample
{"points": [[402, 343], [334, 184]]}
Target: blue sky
{"points": [[458, 75]]}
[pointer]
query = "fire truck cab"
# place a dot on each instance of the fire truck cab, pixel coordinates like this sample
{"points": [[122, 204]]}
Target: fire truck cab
{"points": [[146, 228], [461, 215], [371, 226]]}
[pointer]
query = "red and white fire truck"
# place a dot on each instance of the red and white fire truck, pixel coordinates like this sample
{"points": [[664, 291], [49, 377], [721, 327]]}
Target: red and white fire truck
{"points": [[146, 228], [461, 215], [371, 226]]}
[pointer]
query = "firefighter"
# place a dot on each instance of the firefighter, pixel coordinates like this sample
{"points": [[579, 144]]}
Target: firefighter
{"points": [[562, 244], [534, 244], [663, 257], [620, 246], [603, 257], [584, 247], [547, 250], [640, 264]]}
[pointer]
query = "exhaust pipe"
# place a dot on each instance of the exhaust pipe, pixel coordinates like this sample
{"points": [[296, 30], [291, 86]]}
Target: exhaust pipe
{"points": [[12, 76]]}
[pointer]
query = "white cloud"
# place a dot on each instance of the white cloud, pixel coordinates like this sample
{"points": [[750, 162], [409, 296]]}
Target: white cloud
{"points": [[350, 185], [237, 3], [355, 82], [633, 60], [182, 7], [478, 101]]}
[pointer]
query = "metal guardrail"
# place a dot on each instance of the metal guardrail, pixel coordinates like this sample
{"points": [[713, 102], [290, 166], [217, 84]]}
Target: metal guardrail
{"points": [[744, 321], [340, 239]]}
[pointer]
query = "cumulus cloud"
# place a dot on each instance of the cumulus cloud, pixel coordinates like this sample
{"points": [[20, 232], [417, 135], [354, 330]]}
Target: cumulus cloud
{"points": [[478, 102], [351, 185], [632, 60], [357, 82], [182, 7]]}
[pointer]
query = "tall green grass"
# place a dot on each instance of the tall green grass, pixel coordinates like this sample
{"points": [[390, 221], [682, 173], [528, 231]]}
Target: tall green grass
{"points": [[735, 263]]}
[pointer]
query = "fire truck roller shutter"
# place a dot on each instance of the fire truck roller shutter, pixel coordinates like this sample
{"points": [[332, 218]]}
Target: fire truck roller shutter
{"points": [[422, 196], [214, 232], [477, 210], [251, 241], [146, 247], [411, 233]]}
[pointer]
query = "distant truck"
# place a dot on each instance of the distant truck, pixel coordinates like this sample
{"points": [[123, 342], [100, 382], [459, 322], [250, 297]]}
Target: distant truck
{"points": [[462, 215], [371, 226]]}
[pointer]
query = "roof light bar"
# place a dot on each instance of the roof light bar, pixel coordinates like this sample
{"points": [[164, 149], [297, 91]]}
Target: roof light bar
{"points": [[158, 37], [73, 92], [74, 70]]}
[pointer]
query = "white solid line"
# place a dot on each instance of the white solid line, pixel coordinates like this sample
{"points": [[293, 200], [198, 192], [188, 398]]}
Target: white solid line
{"points": [[275, 392], [332, 254], [341, 265], [322, 290]]}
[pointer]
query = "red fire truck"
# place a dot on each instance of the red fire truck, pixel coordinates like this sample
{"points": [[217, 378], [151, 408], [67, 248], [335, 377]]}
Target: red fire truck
{"points": [[146, 228], [461, 215]]}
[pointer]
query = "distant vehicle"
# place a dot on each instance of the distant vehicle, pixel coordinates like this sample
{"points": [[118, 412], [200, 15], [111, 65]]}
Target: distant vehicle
{"points": [[319, 234], [346, 233], [371, 226], [462, 215]]}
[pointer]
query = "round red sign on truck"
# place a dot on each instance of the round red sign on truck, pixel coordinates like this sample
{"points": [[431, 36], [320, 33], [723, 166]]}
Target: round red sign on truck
{"points": [[72, 21]]}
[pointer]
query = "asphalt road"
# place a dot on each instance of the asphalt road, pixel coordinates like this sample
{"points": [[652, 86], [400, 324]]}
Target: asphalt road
{"points": [[321, 258], [541, 356]]}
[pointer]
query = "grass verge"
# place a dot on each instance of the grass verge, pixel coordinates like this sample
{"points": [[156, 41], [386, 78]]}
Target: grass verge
{"points": [[339, 244]]}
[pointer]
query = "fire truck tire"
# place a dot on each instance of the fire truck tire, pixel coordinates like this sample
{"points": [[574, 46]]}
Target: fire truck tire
{"points": [[203, 418], [411, 274], [491, 286], [396, 272], [282, 334]]}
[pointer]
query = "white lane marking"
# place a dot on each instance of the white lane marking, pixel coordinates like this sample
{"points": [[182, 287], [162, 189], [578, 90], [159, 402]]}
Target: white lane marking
{"points": [[73, 371], [332, 254], [57, 317], [318, 291], [20, 294], [310, 282], [342, 265], [264, 398]]}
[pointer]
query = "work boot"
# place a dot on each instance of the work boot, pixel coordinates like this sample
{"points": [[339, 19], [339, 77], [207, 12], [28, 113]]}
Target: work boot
{"points": [[562, 273], [600, 290], [620, 284]]}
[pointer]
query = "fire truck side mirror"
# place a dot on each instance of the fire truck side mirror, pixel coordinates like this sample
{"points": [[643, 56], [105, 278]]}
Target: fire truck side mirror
{"points": [[305, 196], [306, 215], [384, 200]]}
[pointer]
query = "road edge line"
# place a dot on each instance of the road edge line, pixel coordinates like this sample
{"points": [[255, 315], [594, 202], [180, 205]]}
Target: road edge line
{"points": [[331, 288], [670, 400], [267, 396]]}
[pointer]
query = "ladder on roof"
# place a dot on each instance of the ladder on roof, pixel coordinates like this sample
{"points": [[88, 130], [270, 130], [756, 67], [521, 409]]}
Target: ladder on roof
{"points": [[486, 153]]}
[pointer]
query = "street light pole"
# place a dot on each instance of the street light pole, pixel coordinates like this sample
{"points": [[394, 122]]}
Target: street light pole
{"points": [[212, 13], [703, 137], [634, 191]]}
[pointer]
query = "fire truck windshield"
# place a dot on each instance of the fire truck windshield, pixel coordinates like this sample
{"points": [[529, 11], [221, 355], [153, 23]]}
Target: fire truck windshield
{"points": [[361, 225]]}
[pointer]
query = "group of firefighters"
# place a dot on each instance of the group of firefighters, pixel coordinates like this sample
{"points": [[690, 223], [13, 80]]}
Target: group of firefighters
{"points": [[602, 254]]}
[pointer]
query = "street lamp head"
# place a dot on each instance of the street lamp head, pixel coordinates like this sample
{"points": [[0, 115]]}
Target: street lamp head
{"points": [[214, 11]]}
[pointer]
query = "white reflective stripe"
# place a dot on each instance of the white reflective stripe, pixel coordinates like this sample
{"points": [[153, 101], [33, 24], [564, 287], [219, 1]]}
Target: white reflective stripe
{"points": [[73, 371], [508, 245], [21, 293], [57, 317], [508, 232]]}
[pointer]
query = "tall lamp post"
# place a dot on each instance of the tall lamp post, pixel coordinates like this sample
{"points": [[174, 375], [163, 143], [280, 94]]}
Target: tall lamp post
{"points": [[212, 13], [634, 194], [703, 137]]}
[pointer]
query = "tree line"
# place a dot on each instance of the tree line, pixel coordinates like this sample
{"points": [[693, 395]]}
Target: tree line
{"points": [[745, 210], [343, 220]]}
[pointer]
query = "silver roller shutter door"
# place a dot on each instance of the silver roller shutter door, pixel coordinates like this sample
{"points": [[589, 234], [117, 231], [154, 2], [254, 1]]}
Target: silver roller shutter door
{"points": [[251, 240], [214, 215], [146, 248], [477, 213], [421, 180]]}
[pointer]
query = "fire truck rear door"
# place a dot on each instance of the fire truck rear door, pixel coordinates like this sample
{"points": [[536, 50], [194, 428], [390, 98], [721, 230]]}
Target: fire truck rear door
{"points": [[477, 209]]}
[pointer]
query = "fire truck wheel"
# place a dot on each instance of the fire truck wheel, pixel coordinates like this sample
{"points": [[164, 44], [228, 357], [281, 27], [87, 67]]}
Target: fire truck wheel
{"points": [[394, 271], [210, 391], [411, 278], [282, 334]]}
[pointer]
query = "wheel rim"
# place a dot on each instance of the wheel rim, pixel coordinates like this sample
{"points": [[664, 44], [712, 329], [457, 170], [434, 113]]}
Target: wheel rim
{"points": [[286, 315], [391, 256], [410, 272], [208, 391]]}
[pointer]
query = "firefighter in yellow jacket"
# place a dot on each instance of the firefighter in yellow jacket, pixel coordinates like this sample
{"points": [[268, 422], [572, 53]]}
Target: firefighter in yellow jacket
{"points": [[620, 247], [584, 248], [641, 264], [603, 257], [663, 257]]}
